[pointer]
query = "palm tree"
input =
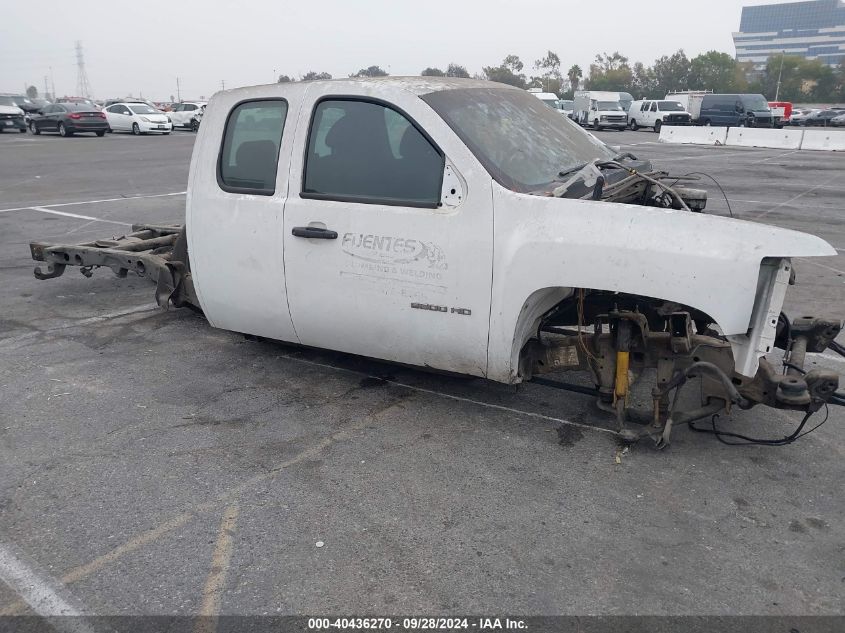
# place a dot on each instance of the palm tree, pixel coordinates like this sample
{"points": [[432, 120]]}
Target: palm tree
{"points": [[575, 74]]}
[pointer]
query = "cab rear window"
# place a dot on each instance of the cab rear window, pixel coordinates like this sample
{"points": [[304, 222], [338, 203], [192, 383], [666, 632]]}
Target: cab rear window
{"points": [[249, 155]]}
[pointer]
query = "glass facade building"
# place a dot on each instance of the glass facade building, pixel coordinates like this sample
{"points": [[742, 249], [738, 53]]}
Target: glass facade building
{"points": [[814, 30]]}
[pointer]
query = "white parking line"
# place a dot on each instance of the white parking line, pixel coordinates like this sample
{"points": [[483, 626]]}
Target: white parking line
{"points": [[46, 596], [71, 204], [812, 263], [75, 215], [796, 198]]}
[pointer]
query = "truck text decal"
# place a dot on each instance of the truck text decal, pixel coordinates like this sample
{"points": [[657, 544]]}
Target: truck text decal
{"points": [[385, 249]]}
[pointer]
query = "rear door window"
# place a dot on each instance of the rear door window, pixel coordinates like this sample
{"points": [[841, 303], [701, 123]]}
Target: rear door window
{"points": [[249, 155]]}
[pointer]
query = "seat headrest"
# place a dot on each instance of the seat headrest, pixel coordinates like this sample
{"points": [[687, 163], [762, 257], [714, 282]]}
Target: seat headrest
{"points": [[256, 160], [414, 146]]}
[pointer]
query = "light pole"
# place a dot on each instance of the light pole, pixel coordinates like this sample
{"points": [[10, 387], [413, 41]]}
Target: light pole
{"points": [[780, 75]]}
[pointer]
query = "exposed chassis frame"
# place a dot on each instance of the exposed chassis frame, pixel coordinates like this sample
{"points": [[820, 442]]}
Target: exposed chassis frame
{"points": [[156, 251]]}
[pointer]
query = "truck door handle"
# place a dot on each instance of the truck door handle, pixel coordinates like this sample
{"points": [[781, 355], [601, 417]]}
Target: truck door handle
{"points": [[314, 232]]}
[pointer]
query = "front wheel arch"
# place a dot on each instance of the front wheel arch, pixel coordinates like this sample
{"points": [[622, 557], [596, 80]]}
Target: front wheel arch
{"points": [[541, 306]]}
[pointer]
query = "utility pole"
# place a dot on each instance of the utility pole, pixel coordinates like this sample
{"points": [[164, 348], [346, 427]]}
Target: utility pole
{"points": [[52, 83], [780, 75], [46, 87], [178, 93], [223, 84]]}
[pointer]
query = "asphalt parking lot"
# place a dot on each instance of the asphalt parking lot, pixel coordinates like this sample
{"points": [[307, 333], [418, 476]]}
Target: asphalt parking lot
{"points": [[152, 464]]}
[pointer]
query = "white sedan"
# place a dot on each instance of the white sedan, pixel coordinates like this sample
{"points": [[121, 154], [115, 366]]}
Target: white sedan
{"points": [[138, 118]]}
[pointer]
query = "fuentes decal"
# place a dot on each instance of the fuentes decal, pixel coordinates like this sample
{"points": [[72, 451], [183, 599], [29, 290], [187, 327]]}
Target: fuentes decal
{"points": [[386, 249]]}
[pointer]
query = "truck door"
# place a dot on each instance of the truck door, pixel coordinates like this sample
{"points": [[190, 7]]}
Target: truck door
{"points": [[388, 250], [236, 197]]}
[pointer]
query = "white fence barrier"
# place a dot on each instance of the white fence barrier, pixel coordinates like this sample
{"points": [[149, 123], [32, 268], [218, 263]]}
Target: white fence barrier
{"points": [[829, 140], [693, 135], [765, 137]]}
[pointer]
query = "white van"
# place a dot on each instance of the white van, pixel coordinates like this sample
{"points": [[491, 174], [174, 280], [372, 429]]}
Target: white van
{"points": [[656, 114]]}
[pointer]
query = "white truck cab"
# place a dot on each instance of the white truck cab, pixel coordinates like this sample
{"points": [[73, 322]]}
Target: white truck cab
{"points": [[656, 113], [464, 226]]}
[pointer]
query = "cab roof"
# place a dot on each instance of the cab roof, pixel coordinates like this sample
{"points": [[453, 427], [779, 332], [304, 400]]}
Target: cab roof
{"points": [[415, 85]]}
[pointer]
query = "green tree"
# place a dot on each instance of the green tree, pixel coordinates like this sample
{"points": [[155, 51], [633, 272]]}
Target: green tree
{"points": [[800, 79], [840, 81], [314, 76], [32, 92], [671, 73], [574, 74], [508, 72], [283, 79], [611, 72], [550, 78], [456, 70], [513, 63], [714, 71], [433, 72], [642, 81], [371, 71]]}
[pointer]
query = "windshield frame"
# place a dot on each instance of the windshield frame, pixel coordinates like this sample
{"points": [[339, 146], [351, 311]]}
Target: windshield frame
{"points": [[572, 145]]}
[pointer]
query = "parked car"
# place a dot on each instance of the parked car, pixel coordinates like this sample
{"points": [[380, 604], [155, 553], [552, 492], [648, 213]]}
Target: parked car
{"points": [[24, 103], [11, 118], [567, 107], [838, 120], [799, 116], [138, 118], [187, 114], [821, 118], [68, 119], [655, 114], [735, 110]]}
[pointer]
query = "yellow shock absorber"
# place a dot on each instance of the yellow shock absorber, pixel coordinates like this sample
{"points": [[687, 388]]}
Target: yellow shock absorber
{"points": [[621, 387]]}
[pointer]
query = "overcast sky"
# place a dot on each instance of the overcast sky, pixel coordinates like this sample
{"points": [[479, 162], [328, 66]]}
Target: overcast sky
{"points": [[134, 47]]}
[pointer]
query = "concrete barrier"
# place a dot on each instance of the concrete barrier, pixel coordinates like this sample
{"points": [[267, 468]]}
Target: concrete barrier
{"points": [[829, 140], [693, 135], [765, 137]]}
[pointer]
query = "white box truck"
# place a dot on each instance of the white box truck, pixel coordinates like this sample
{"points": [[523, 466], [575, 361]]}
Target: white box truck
{"points": [[601, 110], [691, 100]]}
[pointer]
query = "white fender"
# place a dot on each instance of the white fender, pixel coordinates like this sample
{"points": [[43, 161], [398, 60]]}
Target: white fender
{"points": [[547, 246]]}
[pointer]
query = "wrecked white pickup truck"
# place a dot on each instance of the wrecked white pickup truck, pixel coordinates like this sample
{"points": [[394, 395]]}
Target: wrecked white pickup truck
{"points": [[465, 226]]}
